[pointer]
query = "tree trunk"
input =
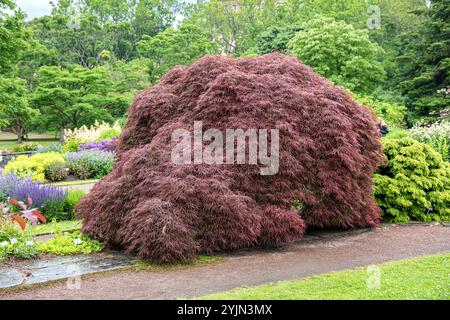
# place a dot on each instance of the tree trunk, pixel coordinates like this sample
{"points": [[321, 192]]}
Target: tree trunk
{"points": [[61, 133]]}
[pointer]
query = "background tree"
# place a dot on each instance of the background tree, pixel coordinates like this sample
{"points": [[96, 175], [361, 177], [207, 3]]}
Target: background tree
{"points": [[425, 62], [174, 47], [275, 39], [69, 98], [234, 25], [15, 113], [340, 53]]}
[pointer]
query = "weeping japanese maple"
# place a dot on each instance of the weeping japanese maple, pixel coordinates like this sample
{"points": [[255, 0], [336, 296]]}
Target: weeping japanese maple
{"points": [[167, 212]]}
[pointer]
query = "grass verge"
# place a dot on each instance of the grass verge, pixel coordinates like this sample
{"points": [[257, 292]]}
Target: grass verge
{"points": [[48, 228], [412, 279], [73, 183]]}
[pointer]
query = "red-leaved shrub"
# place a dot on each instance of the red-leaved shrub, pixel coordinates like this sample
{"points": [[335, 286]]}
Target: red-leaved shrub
{"points": [[164, 212]]}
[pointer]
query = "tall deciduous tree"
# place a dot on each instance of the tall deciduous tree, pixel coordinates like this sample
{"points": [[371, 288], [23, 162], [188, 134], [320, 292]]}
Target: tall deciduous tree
{"points": [[235, 25], [341, 53], [14, 110], [174, 47], [72, 97]]}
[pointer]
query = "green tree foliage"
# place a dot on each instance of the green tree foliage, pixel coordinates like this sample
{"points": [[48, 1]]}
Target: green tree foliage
{"points": [[80, 34], [425, 61], [340, 53], [14, 110], [394, 114], [83, 45], [234, 25], [414, 184], [13, 39], [75, 96], [174, 47], [275, 39]]}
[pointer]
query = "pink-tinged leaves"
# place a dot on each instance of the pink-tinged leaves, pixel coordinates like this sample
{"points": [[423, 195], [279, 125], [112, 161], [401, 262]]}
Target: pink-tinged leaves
{"points": [[30, 202], [28, 214], [39, 216]]}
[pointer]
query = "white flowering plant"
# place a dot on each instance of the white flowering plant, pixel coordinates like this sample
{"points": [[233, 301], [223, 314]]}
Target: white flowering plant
{"points": [[436, 135], [97, 132]]}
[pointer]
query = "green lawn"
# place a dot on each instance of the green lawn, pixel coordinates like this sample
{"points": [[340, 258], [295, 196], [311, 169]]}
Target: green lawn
{"points": [[62, 226], [419, 278], [72, 183], [9, 144]]}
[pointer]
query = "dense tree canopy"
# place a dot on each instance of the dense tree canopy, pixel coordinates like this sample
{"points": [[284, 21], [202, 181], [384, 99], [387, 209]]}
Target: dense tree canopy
{"points": [[425, 61], [174, 47], [392, 52], [339, 52], [71, 97]]}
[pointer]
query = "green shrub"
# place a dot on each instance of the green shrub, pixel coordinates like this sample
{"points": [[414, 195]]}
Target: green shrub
{"points": [[397, 133], [55, 210], [79, 170], [72, 144], [414, 183], [67, 245], [24, 166], [393, 114], [436, 135], [71, 201], [35, 166], [24, 147], [56, 171], [109, 134], [98, 163], [9, 230], [48, 158]]}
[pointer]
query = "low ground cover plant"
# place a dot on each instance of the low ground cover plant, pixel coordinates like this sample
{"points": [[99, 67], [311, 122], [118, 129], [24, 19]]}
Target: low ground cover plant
{"points": [[414, 182], [69, 244]]}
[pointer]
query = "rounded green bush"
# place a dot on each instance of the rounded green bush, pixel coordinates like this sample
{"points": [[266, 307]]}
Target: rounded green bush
{"points": [[72, 199], [56, 171], [414, 183], [24, 166]]}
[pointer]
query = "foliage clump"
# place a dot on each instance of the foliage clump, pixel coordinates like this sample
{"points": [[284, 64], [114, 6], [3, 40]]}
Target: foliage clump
{"points": [[414, 183], [68, 244], [163, 212], [436, 135], [36, 166]]}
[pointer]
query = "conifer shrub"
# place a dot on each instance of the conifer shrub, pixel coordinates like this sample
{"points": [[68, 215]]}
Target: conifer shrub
{"points": [[166, 212], [413, 183]]}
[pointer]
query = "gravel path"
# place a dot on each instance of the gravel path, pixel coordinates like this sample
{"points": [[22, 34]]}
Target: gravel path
{"points": [[317, 253]]}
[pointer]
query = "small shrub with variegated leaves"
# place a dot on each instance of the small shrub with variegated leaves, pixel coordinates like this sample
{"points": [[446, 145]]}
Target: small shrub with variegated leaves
{"points": [[436, 135], [414, 183]]}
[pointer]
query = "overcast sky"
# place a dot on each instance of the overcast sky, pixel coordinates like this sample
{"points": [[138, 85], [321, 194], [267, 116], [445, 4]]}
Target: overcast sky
{"points": [[39, 8], [34, 8]]}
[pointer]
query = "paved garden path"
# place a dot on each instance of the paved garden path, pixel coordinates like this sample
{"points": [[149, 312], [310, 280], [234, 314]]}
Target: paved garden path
{"points": [[317, 253]]}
